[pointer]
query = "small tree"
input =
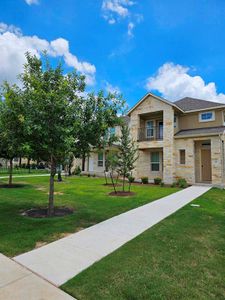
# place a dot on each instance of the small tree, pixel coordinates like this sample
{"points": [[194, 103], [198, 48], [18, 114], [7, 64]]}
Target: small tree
{"points": [[112, 165], [97, 114], [127, 154], [12, 125], [53, 104]]}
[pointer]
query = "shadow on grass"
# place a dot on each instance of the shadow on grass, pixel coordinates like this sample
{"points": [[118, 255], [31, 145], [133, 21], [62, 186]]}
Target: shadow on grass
{"points": [[13, 186]]}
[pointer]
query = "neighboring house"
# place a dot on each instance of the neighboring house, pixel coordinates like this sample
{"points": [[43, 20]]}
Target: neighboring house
{"points": [[182, 139]]}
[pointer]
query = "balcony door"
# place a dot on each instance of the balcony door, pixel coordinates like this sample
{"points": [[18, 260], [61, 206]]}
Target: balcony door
{"points": [[149, 129]]}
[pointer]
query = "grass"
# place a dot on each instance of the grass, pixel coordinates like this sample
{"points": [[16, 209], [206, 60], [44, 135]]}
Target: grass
{"points": [[88, 196], [22, 171], [182, 257]]}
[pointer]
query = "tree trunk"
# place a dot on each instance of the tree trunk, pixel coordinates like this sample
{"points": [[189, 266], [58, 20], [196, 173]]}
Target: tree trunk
{"points": [[51, 189], [123, 182], [111, 175], [20, 161], [28, 164], [59, 176], [10, 171], [83, 162], [106, 182]]}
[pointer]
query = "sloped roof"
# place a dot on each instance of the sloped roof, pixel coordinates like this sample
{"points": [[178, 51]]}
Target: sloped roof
{"points": [[201, 131], [188, 104]]}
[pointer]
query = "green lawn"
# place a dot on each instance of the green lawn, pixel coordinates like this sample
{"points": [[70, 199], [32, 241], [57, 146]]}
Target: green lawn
{"points": [[183, 257], [88, 196], [22, 171]]}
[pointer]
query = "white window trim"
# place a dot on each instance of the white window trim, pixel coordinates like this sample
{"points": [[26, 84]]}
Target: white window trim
{"points": [[153, 126], [155, 163], [223, 112], [101, 160], [205, 112]]}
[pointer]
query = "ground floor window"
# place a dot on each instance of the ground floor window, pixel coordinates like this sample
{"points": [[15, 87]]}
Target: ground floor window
{"points": [[100, 159], [182, 157], [155, 161]]}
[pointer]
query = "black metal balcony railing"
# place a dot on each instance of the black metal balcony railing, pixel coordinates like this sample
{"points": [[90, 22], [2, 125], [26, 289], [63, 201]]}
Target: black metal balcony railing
{"points": [[150, 133]]}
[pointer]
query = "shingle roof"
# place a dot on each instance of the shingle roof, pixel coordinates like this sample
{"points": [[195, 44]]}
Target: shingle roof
{"points": [[200, 131], [188, 104]]}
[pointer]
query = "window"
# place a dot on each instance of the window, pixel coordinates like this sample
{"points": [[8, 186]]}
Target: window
{"points": [[224, 118], [149, 129], [175, 121], [182, 157], [100, 159], [155, 161], [207, 116]]}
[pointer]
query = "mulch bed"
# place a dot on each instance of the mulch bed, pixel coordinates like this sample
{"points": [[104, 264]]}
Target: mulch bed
{"points": [[110, 184], [123, 194], [43, 212]]}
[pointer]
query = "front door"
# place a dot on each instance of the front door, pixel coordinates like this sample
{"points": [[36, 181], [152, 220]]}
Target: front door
{"points": [[206, 165]]}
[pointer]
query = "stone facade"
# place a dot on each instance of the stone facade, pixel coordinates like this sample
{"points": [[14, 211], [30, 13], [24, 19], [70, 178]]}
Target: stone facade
{"points": [[170, 147]]}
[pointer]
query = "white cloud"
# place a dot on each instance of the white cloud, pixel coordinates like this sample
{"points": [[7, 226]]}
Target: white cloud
{"points": [[174, 82], [115, 8], [14, 44], [112, 89], [30, 2], [130, 28]]}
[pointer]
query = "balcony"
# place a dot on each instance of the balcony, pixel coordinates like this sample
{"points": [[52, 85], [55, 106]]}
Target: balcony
{"points": [[153, 133]]}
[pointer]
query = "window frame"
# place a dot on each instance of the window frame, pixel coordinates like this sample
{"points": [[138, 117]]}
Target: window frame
{"points": [[101, 161], [180, 157], [155, 163], [207, 120], [149, 128]]}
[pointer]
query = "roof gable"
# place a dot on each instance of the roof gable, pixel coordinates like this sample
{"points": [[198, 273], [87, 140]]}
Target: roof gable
{"points": [[154, 96]]}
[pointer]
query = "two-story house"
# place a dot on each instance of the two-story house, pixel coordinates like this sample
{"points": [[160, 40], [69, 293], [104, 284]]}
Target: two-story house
{"points": [[182, 139]]}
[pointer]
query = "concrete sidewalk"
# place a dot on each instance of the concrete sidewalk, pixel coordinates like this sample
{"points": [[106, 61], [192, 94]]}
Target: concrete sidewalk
{"points": [[63, 259], [17, 283]]}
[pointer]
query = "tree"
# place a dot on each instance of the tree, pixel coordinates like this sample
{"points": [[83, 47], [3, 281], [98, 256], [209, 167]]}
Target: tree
{"points": [[12, 125], [127, 154], [97, 114], [52, 103]]}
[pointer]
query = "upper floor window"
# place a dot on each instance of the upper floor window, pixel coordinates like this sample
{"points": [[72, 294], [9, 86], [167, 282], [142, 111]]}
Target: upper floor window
{"points": [[149, 129], [224, 118], [207, 116], [100, 159]]}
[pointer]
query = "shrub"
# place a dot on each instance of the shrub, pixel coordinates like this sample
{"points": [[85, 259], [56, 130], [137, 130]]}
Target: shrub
{"points": [[77, 170], [88, 175], [93, 175], [174, 184], [182, 183], [162, 184], [144, 180], [131, 179], [157, 180]]}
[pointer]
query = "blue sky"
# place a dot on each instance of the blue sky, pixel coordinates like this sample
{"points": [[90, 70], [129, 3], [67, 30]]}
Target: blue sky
{"points": [[172, 48]]}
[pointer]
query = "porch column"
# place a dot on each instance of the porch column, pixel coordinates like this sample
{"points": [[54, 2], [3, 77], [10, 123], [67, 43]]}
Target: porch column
{"points": [[168, 146]]}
